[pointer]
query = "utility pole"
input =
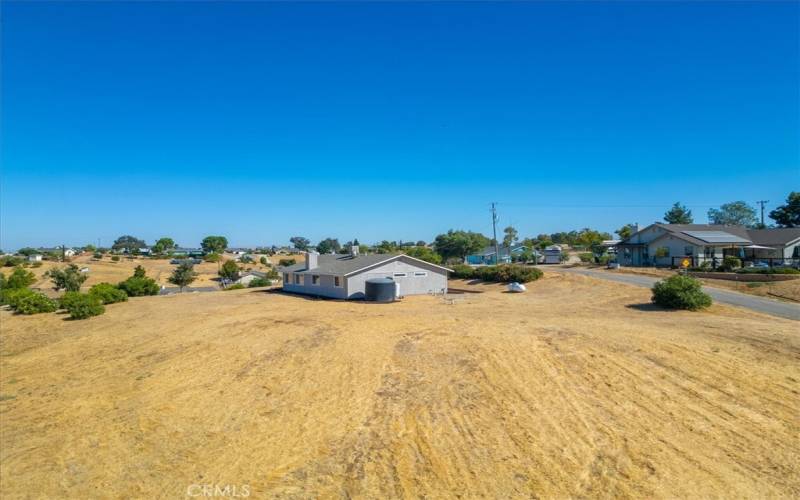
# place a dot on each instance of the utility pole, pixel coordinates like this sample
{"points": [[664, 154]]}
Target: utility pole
{"points": [[494, 233], [762, 203]]}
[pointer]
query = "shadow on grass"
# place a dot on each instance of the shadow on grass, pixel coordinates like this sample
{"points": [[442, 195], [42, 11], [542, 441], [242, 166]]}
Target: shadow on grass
{"points": [[646, 307]]}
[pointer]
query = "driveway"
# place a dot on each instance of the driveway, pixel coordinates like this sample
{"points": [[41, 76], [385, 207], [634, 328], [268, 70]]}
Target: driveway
{"points": [[758, 304]]}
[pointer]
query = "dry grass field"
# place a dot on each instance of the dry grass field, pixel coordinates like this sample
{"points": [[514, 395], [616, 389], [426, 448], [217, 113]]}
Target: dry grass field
{"points": [[577, 388], [106, 270]]}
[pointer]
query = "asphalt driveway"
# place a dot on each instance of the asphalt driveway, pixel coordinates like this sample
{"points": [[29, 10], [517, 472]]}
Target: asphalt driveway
{"points": [[758, 304]]}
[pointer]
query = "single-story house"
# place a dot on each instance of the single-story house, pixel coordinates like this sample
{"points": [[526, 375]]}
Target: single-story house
{"points": [[344, 276], [59, 251], [663, 244], [247, 276], [237, 251], [37, 257], [488, 256]]}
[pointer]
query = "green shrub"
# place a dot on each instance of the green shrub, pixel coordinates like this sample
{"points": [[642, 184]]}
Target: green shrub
{"points": [[12, 296], [586, 257], [108, 293], [237, 286], [259, 282], [212, 257], [680, 292], [729, 263], [35, 303], [115, 258], [66, 300], [19, 278], [69, 278], [82, 305], [767, 270], [462, 271], [263, 260], [506, 273], [287, 262], [139, 287]]}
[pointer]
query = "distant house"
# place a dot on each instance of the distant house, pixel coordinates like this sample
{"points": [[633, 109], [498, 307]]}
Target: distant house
{"points": [[663, 244], [238, 251], [59, 251], [552, 254], [488, 255], [188, 252], [247, 276], [344, 276], [35, 257]]}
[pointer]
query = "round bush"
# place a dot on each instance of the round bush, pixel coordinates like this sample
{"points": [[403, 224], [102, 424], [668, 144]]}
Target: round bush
{"points": [[82, 305], [462, 271], [108, 293], [35, 303], [12, 296], [258, 282], [139, 287], [680, 292]]}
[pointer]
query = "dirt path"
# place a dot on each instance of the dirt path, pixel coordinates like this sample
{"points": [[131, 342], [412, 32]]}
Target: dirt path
{"points": [[576, 388]]}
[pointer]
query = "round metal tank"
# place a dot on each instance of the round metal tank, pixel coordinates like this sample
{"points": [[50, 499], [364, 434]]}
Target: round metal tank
{"points": [[379, 290]]}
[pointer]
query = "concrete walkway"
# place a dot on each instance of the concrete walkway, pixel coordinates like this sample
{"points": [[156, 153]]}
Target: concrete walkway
{"points": [[759, 304]]}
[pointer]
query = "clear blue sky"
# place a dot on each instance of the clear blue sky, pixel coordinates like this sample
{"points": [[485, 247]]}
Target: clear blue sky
{"points": [[260, 121]]}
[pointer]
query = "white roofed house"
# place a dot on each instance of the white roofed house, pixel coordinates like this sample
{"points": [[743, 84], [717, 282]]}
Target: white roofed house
{"points": [[344, 276]]}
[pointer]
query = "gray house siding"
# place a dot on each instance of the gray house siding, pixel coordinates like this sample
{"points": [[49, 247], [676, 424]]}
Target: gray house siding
{"points": [[435, 279], [325, 288]]}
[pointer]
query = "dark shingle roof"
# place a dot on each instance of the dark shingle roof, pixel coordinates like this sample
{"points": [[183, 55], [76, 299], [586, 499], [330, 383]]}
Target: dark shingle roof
{"points": [[773, 237], [344, 264]]}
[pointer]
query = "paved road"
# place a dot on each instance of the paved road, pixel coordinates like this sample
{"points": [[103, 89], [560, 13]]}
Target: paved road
{"points": [[767, 306]]}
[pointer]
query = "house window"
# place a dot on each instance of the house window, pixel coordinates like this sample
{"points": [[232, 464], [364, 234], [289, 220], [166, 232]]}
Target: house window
{"points": [[662, 252], [420, 273], [296, 279], [285, 277], [315, 279], [400, 275], [337, 281], [688, 250]]}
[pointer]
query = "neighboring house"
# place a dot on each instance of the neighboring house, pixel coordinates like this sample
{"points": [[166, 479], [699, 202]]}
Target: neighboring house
{"points": [[488, 256], [35, 258], [663, 244], [343, 276], [552, 254], [246, 277], [188, 252], [782, 243], [145, 251], [237, 251]]}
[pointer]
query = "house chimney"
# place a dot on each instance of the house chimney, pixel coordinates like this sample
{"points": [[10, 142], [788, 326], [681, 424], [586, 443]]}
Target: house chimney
{"points": [[634, 228], [353, 250], [312, 260]]}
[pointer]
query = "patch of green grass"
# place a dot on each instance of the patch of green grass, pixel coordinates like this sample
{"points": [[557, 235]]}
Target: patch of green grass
{"points": [[754, 285], [6, 397]]}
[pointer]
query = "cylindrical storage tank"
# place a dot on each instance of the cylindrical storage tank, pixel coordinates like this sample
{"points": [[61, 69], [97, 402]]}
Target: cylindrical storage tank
{"points": [[379, 290]]}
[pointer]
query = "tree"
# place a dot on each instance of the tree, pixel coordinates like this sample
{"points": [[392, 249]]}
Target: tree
{"points": [[69, 278], [212, 257], [678, 214], [90, 248], [229, 270], [458, 243], [139, 272], [183, 275], [735, 213], [263, 260], [214, 244], [511, 236], [27, 251], [386, 246], [625, 231], [164, 245], [19, 278], [788, 215], [300, 243], [588, 237], [421, 243], [424, 253], [128, 244], [328, 245]]}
